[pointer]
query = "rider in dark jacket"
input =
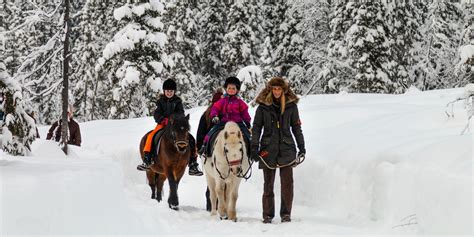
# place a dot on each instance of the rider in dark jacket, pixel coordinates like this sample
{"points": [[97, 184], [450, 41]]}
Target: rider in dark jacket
{"points": [[168, 104]]}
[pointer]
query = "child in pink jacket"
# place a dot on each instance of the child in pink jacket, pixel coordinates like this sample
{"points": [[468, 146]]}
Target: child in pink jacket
{"points": [[229, 108]]}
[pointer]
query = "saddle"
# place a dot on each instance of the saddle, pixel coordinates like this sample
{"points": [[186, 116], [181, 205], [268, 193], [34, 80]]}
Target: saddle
{"points": [[213, 137], [155, 145], [212, 141]]}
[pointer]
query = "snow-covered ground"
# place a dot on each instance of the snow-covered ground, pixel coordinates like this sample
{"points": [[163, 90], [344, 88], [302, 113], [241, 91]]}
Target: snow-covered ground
{"points": [[376, 164]]}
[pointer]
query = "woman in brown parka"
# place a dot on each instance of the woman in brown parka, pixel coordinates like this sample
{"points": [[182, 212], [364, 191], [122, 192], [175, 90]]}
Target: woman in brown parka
{"points": [[277, 115]]}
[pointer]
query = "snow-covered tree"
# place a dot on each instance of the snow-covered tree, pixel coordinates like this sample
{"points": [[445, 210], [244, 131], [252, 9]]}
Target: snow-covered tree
{"points": [[337, 72], [240, 42], [273, 13], [439, 50], [316, 31], [19, 129], [35, 36], [369, 51], [404, 21], [290, 43], [95, 27], [183, 49], [133, 61], [288, 55], [465, 67], [212, 27]]}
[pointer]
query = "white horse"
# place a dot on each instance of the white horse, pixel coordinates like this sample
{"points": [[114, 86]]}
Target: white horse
{"points": [[225, 169]]}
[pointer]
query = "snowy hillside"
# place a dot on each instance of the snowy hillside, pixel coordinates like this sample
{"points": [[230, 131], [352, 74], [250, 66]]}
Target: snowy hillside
{"points": [[376, 164]]}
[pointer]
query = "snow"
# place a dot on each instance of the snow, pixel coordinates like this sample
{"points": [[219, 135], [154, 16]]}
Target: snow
{"points": [[121, 12], [376, 165], [246, 74], [466, 52], [132, 76]]}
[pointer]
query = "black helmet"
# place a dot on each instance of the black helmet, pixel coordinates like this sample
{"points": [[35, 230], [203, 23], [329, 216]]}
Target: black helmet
{"points": [[169, 85], [232, 80]]}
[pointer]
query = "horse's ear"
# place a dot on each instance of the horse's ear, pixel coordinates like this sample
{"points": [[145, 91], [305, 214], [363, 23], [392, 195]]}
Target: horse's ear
{"points": [[226, 135], [187, 117]]}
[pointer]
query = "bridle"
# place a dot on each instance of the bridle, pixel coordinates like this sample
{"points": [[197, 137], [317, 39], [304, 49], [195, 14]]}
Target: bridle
{"points": [[240, 174], [178, 143]]}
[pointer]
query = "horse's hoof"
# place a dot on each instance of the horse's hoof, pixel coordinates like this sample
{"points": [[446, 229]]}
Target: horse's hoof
{"points": [[224, 218], [176, 208], [213, 213]]}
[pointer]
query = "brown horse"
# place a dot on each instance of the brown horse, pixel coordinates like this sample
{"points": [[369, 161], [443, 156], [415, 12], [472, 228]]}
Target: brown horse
{"points": [[174, 152]]}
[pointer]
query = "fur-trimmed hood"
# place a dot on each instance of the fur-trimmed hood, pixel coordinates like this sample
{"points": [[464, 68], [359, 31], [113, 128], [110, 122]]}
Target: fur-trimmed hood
{"points": [[265, 96]]}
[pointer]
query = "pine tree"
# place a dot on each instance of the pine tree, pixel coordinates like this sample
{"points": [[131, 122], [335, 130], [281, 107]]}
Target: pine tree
{"points": [[439, 50], [19, 129], [316, 31], [465, 66], [369, 51], [404, 24], [337, 73], [134, 59], [212, 28], [182, 48], [240, 41], [289, 42], [93, 31]]}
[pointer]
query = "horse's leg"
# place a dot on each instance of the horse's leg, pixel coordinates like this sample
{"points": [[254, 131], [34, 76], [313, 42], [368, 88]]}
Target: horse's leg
{"points": [[159, 186], [177, 174], [233, 193], [211, 183], [173, 196], [221, 207], [150, 175]]}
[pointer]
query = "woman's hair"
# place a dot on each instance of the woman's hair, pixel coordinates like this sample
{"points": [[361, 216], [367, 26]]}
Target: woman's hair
{"points": [[282, 99]]}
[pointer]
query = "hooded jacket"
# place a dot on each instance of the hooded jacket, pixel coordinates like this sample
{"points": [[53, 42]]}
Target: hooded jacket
{"points": [[274, 126]]}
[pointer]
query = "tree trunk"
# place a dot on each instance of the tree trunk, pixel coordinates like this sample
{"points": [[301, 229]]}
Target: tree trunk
{"points": [[65, 97]]}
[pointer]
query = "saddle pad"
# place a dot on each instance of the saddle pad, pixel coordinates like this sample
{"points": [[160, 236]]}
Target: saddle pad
{"points": [[156, 142]]}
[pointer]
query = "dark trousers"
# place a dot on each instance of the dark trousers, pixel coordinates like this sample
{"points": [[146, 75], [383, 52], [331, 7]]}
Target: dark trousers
{"points": [[268, 199]]}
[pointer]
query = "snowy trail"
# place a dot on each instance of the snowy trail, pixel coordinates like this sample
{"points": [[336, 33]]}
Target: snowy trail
{"points": [[377, 164]]}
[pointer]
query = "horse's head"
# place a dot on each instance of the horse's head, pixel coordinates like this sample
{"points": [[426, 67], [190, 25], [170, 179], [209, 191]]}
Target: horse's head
{"points": [[234, 148], [178, 131]]}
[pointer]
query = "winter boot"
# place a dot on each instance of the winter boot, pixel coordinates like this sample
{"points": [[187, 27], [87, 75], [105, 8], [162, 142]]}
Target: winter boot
{"points": [[194, 168], [147, 161]]}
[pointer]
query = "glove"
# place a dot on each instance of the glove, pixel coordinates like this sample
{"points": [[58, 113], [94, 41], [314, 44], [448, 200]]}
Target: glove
{"points": [[159, 120], [254, 155], [215, 120], [301, 156], [299, 159]]}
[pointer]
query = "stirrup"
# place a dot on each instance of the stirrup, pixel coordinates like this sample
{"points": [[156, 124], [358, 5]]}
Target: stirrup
{"points": [[143, 167]]}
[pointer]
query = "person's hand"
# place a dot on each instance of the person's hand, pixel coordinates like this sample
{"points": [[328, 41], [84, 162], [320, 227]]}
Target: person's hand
{"points": [[254, 156], [301, 156], [215, 120], [299, 159]]}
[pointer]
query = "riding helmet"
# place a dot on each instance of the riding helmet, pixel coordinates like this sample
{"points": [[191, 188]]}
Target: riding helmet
{"points": [[234, 81], [169, 85]]}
